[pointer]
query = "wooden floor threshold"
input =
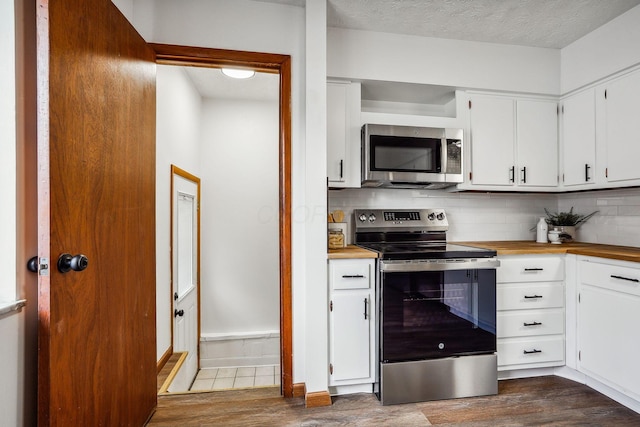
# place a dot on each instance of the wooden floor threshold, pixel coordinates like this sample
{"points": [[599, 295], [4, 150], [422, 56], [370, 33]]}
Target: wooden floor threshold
{"points": [[170, 370]]}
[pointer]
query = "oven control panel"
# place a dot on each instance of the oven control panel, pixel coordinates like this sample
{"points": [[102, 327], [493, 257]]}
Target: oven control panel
{"points": [[419, 219]]}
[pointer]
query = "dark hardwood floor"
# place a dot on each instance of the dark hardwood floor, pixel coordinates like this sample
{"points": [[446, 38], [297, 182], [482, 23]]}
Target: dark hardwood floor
{"points": [[541, 401]]}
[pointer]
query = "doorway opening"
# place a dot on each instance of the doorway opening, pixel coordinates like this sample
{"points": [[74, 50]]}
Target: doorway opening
{"points": [[185, 274], [279, 65]]}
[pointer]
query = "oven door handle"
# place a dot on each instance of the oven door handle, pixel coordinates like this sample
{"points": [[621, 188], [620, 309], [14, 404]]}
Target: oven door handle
{"points": [[440, 265]]}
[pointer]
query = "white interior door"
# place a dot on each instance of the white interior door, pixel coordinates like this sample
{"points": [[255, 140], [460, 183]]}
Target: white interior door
{"points": [[185, 229]]}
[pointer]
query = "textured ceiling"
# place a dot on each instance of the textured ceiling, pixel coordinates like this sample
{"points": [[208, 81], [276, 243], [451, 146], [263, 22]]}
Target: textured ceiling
{"points": [[539, 23]]}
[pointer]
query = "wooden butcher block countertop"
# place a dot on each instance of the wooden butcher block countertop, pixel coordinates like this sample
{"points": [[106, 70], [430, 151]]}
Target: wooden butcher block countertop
{"points": [[523, 247], [352, 252]]}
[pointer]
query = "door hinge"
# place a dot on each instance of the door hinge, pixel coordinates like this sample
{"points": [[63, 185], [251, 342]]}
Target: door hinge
{"points": [[469, 104], [330, 305], [331, 368]]}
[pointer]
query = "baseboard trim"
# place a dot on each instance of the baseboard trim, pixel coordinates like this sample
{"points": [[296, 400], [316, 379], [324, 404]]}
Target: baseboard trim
{"points": [[299, 390], [164, 359], [317, 399]]}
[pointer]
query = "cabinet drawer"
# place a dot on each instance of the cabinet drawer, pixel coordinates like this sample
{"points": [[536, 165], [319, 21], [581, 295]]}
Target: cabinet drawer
{"points": [[530, 269], [514, 296], [528, 323], [350, 274], [613, 277], [516, 351]]}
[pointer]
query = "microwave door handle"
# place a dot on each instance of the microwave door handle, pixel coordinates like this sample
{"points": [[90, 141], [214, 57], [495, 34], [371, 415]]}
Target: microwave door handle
{"points": [[443, 155]]}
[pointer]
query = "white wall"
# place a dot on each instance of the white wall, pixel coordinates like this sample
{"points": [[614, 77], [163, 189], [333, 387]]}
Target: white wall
{"points": [[240, 281], [8, 158], [605, 51], [178, 108], [259, 27], [126, 7], [316, 301], [463, 64], [12, 332]]}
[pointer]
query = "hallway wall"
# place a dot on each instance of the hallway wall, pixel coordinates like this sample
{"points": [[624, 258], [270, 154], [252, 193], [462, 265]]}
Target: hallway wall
{"points": [[178, 121]]}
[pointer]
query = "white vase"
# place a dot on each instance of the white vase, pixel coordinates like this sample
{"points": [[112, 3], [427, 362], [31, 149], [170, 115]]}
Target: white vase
{"points": [[541, 231]]}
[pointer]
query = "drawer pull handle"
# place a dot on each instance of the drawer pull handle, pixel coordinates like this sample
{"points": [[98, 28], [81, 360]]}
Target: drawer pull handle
{"points": [[532, 296], [625, 278], [532, 351], [353, 276], [534, 269], [532, 324]]}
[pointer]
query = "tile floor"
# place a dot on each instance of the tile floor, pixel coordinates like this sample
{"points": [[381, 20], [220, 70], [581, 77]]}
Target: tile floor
{"points": [[241, 377]]}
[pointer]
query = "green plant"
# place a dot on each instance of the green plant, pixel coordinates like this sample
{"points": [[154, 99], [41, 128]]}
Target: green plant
{"points": [[567, 218]]}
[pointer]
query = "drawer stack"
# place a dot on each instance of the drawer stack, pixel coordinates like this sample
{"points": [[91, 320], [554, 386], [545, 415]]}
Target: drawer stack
{"points": [[530, 312]]}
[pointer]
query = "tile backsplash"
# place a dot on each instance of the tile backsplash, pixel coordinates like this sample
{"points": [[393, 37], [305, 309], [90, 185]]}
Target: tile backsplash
{"points": [[617, 221], [500, 216]]}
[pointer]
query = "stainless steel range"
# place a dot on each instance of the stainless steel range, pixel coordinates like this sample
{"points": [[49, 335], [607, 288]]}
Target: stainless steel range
{"points": [[436, 330]]}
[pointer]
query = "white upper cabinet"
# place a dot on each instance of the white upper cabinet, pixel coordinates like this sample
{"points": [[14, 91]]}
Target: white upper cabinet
{"points": [[514, 143], [537, 142], [492, 141], [579, 139], [622, 123], [343, 134]]}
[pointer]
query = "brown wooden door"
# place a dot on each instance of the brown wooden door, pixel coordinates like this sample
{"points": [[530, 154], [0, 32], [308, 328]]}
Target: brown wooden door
{"points": [[96, 185]]}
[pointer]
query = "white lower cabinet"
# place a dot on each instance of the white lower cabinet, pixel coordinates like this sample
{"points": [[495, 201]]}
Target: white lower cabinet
{"points": [[608, 320], [351, 324], [530, 311]]}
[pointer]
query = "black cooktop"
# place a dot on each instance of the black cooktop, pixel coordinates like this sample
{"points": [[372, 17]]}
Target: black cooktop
{"points": [[417, 250]]}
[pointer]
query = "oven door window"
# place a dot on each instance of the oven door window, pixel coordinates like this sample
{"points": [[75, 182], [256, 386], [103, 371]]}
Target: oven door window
{"points": [[405, 154], [436, 314]]}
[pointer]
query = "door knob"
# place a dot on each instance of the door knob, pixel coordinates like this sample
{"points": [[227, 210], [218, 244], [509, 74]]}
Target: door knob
{"points": [[68, 262], [177, 313], [32, 264]]}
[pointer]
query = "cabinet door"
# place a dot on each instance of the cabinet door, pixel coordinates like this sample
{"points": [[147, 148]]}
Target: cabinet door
{"points": [[350, 335], [492, 141], [336, 131], [579, 138], [343, 134], [622, 105], [607, 334], [537, 143]]}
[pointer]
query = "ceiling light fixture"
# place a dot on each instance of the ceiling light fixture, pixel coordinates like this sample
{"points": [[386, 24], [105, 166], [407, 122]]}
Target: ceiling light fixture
{"points": [[238, 73]]}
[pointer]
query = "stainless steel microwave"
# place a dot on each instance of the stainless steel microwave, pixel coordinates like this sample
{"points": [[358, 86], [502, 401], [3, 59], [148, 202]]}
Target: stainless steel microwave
{"points": [[411, 157]]}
